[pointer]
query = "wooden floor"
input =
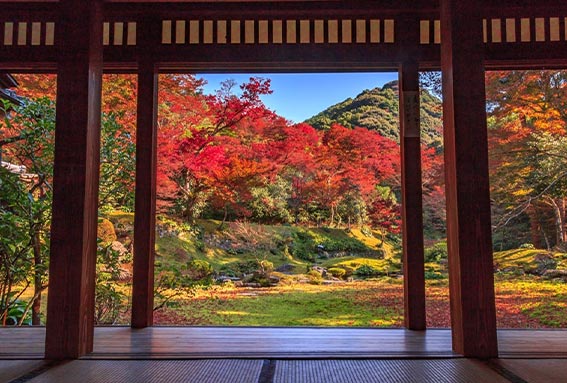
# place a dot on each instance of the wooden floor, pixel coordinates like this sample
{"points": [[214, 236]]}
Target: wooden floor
{"points": [[281, 343]]}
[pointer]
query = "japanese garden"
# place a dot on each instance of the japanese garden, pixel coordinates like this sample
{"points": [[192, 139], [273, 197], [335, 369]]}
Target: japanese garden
{"points": [[262, 221]]}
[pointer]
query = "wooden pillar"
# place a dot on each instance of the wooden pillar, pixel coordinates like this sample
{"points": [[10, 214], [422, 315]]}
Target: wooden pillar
{"points": [[70, 310], [412, 211], [145, 205], [469, 239]]}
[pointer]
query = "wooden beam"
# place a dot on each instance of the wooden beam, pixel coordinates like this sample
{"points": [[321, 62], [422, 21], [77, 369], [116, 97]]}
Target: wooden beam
{"points": [[283, 56], [412, 211], [145, 205], [471, 279], [70, 310]]}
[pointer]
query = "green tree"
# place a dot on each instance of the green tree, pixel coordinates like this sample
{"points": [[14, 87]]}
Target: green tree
{"points": [[117, 165], [26, 196]]}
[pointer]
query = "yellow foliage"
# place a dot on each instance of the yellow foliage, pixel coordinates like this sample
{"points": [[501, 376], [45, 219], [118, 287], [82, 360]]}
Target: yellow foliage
{"points": [[105, 231]]}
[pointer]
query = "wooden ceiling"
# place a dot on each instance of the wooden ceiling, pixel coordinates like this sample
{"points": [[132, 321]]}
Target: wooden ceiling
{"points": [[287, 35]]}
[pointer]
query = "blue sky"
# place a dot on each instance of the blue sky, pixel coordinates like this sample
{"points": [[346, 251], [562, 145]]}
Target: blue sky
{"points": [[300, 96]]}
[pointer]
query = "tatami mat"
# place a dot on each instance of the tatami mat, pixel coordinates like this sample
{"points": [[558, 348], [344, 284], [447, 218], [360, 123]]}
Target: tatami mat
{"points": [[12, 369], [152, 371], [453, 370], [537, 370], [387, 371]]}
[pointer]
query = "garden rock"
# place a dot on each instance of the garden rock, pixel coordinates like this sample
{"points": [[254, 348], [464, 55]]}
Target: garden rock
{"points": [[273, 279], [119, 248], [285, 268], [124, 275], [226, 278], [556, 274], [320, 270], [545, 262]]}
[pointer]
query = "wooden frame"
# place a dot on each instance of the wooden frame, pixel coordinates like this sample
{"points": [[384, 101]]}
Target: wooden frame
{"points": [[373, 38], [469, 232], [70, 310], [412, 210], [463, 38]]}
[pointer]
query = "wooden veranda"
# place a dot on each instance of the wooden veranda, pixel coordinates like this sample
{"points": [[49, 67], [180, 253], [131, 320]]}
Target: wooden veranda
{"points": [[79, 40]]}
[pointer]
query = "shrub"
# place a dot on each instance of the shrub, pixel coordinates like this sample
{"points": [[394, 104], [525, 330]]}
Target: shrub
{"points": [[303, 246], [286, 255], [432, 275], [228, 271], [314, 273], [347, 244], [109, 303], [17, 313], [105, 231], [198, 269], [366, 271], [247, 267], [110, 300], [171, 283], [265, 267], [527, 246], [252, 266], [436, 252], [349, 270], [337, 272], [314, 277], [200, 245]]}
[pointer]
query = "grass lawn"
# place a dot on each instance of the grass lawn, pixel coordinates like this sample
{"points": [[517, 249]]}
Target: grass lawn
{"points": [[293, 305], [521, 302], [526, 302]]}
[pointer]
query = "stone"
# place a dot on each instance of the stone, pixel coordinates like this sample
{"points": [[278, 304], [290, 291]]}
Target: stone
{"points": [[320, 270], [555, 274], [285, 268], [119, 248], [125, 275], [545, 262]]}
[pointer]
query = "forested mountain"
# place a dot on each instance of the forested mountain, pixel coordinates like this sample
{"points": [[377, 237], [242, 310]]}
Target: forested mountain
{"points": [[377, 109]]}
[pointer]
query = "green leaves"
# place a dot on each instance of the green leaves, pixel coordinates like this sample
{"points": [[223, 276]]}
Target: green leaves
{"points": [[117, 165]]}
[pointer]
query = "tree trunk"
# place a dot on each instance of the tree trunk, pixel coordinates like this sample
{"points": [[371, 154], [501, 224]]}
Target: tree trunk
{"points": [[224, 218], [547, 244], [558, 206], [37, 280], [535, 230], [562, 216], [332, 220]]}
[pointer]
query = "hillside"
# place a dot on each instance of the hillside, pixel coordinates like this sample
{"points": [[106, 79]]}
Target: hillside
{"points": [[238, 246], [377, 110]]}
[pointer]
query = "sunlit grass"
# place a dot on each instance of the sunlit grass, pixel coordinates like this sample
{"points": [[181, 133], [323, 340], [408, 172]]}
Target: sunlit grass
{"points": [[521, 302], [522, 258], [299, 305]]}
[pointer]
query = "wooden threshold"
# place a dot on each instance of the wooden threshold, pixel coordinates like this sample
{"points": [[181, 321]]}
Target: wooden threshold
{"points": [[281, 343]]}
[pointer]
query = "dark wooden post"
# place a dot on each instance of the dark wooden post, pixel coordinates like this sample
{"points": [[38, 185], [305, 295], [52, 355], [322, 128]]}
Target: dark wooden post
{"points": [[469, 239], [412, 212], [70, 310], [145, 206]]}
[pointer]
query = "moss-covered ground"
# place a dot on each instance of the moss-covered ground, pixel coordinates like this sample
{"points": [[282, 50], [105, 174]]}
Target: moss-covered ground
{"points": [[523, 299]]}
